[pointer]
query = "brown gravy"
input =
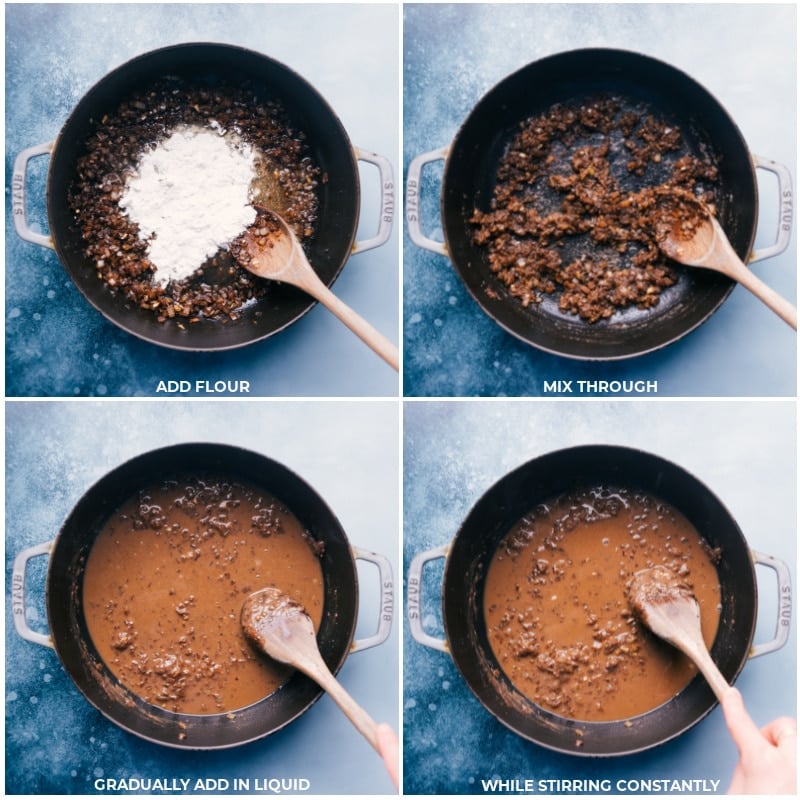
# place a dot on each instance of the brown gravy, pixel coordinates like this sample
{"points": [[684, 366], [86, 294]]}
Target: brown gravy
{"points": [[165, 582], [556, 611]]}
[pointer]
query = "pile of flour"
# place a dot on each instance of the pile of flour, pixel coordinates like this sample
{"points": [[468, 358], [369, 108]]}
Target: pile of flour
{"points": [[189, 196]]}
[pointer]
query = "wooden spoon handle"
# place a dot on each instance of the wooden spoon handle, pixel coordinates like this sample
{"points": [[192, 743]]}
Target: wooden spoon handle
{"points": [[698, 652], [780, 305], [363, 721], [714, 677], [723, 257], [360, 327]]}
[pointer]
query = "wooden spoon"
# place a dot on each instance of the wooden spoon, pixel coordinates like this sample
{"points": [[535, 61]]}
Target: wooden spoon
{"points": [[708, 247], [671, 612], [281, 628], [270, 249]]}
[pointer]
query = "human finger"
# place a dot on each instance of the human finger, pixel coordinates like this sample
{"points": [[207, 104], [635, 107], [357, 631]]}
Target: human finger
{"points": [[389, 748], [743, 730], [781, 732]]}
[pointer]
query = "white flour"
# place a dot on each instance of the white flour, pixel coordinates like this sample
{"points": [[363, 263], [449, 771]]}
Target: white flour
{"points": [[189, 197]]}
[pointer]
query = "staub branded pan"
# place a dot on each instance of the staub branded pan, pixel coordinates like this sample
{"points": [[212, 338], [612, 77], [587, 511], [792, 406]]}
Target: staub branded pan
{"points": [[70, 639], [206, 64], [467, 561], [470, 169]]}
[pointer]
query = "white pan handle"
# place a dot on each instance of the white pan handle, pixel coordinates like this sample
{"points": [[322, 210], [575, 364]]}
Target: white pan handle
{"points": [[413, 182], [18, 182], [785, 209], [784, 622], [387, 201], [18, 594], [414, 598]]}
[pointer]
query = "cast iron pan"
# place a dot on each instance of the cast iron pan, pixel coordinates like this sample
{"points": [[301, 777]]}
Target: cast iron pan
{"points": [[515, 495], [79, 656], [207, 65], [470, 176]]}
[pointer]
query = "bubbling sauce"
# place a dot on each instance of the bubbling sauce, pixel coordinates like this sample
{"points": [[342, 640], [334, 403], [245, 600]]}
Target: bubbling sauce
{"points": [[557, 616], [165, 582]]}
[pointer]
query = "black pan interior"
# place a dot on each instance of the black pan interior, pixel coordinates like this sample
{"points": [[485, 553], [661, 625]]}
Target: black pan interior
{"points": [[207, 65], [79, 656], [469, 180], [515, 495]]}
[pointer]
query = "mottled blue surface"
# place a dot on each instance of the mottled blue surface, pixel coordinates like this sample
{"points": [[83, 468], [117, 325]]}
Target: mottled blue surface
{"points": [[56, 343], [56, 743], [454, 54], [454, 452]]}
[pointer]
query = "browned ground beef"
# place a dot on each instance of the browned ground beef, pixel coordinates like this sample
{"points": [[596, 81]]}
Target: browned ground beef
{"points": [[580, 193], [112, 241]]}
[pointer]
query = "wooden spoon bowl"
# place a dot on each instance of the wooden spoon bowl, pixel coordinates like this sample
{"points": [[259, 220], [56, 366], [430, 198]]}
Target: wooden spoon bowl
{"points": [[270, 249], [669, 609], [282, 629], [704, 244]]}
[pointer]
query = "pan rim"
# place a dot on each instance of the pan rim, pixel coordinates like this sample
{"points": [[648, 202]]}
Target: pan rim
{"points": [[465, 650], [518, 322], [119, 704], [124, 314]]}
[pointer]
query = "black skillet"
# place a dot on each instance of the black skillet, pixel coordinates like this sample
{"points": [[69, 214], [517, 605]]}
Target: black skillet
{"points": [[470, 175], [72, 641], [207, 64], [516, 494]]}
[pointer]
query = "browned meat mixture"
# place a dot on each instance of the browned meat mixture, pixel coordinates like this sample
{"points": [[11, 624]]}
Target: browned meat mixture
{"points": [[220, 288], [558, 616], [577, 203], [166, 579], [653, 586], [264, 234]]}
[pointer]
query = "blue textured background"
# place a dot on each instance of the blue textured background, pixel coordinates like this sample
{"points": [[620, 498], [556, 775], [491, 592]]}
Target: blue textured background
{"points": [[455, 451], [56, 743], [56, 343], [454, 54]]}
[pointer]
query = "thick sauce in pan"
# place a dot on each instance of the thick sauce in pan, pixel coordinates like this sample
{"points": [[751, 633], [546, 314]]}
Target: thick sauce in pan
{"points": [[556, 611], [165, 582]]}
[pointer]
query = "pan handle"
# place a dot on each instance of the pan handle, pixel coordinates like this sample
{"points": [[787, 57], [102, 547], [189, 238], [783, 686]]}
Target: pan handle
{"points": [[784, 604], [387, 600], [413, 182], [414, 592], [18, 182], [18, 594], [387, 201], [786, 200]]}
